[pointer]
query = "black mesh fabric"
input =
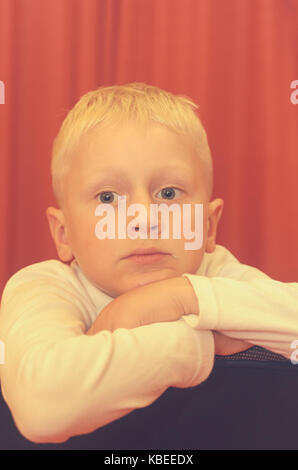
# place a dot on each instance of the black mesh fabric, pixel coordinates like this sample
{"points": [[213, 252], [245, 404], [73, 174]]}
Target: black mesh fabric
{"points": [[255, 353]]}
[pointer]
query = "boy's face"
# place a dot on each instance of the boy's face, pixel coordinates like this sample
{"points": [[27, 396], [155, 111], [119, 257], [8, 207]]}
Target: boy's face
{"points": [[138, 163]]}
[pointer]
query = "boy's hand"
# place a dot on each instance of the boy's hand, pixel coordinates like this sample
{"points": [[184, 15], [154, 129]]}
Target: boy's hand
{"points": [[159, 301], [225, 345]]}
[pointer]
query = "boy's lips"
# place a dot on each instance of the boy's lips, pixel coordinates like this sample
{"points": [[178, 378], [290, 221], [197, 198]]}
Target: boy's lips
{"points": [[146, 255], [146, 251]]}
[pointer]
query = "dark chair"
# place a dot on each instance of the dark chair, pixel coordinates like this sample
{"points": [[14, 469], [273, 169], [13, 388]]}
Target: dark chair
{"points": [[248, 402]]}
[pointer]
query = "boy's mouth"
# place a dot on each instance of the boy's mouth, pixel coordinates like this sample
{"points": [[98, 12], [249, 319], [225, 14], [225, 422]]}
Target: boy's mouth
{"points": [[146, 256]]}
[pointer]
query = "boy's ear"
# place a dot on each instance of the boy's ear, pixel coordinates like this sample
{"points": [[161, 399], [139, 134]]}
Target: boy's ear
{"points": [[58, 231], [215, 209]]}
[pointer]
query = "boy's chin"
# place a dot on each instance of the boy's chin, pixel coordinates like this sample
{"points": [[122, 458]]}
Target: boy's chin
{"points": [[131, 282], [141, 279]]}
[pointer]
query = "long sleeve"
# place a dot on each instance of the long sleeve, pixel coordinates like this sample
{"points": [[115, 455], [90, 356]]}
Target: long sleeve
{"points": [[244, 303], [58, 382]]}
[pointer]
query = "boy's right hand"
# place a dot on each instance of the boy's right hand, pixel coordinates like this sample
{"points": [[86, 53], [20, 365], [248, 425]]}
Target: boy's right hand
{"points": [[160, 301], [224, 345]]}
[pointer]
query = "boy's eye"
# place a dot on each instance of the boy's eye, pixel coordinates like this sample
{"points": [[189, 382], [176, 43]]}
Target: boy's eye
{"points": [[168, 193], [106, 197]]}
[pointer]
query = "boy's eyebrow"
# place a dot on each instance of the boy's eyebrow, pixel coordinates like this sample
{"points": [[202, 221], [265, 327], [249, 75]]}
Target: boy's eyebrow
{"points": [[113, 176], [106, 176]]}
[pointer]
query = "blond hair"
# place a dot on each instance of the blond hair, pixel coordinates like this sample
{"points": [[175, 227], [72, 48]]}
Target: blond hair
{"points": [[115, 104]]}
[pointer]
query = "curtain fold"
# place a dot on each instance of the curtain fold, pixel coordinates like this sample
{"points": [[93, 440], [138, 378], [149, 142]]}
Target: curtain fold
{"points": [[236, 59]]}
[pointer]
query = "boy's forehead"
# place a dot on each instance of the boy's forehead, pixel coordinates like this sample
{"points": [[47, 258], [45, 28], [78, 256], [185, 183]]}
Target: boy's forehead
{"points": [[115, 155], [102, 157], [129, 143]]}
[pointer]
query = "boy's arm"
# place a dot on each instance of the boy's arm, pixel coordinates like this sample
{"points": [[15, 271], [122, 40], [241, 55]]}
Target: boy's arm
{"points": [[161, 301], [59, 382], [248, 305]]}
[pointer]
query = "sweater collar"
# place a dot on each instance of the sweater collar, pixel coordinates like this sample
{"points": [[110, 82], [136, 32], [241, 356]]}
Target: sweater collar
{"points": [[98, 297]]}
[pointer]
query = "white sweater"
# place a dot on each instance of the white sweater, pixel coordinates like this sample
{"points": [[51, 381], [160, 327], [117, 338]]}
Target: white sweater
{"points": [[59, 382]]}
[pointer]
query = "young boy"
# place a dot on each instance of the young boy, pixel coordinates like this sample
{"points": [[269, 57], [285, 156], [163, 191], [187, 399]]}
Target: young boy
{"points": [[121, 318]]}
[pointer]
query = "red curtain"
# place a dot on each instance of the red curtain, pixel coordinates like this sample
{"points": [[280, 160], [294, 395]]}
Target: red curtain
{"points": [[235, 58]]}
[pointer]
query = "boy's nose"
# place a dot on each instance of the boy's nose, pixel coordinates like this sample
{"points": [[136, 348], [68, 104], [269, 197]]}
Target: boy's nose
{"points": [[145, 224]]}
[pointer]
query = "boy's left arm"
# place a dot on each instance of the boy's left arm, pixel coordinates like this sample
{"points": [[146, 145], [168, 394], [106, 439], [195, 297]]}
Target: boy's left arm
{"points": [[247, 305]]}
